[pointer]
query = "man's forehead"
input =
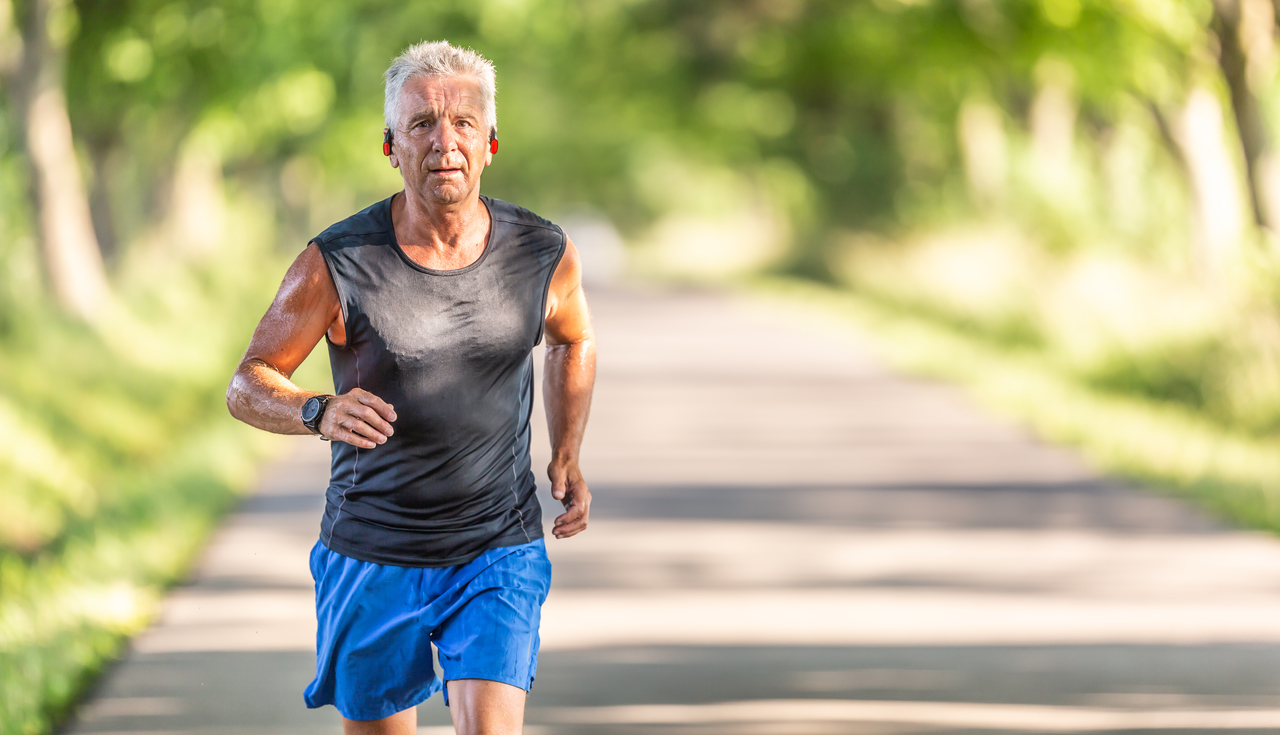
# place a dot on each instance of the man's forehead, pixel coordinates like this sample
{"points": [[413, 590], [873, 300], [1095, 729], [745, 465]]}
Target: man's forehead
{"points": [[429, 92]]}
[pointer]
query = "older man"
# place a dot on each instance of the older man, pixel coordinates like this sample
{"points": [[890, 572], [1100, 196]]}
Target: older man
{"points": [[432, 301]]}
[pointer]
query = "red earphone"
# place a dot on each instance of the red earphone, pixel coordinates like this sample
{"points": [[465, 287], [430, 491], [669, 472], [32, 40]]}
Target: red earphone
{"points": [[386, 142]]}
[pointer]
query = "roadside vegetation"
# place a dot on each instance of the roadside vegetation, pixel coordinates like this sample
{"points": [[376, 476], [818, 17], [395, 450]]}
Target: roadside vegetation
{"points": [[1163, 445], [117, 458], [1069, 205]]}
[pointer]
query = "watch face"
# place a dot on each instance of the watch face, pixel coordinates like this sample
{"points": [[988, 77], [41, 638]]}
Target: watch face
{"points": [[310, 409]]}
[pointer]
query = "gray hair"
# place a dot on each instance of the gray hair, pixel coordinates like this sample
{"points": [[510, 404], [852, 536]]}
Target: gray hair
{"points": [[440, 59]]}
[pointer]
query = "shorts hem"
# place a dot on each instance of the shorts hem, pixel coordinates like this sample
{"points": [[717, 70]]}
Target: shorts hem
{"points": [[387, 709], [526, 686]]}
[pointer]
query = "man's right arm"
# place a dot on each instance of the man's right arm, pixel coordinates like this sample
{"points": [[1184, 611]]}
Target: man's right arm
{"points": [[261, 393]]}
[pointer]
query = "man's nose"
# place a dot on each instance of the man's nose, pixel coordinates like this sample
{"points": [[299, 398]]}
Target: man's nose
{"points": [[444, 139]]}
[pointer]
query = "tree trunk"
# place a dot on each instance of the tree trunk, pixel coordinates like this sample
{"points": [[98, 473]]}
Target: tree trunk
{"points": [[1200, 142], [1233, 58], [103, 158], [72, 259]]}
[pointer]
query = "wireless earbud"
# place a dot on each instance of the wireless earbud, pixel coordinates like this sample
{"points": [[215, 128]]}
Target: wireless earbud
{"points": [[386, 141], [493, 144]]}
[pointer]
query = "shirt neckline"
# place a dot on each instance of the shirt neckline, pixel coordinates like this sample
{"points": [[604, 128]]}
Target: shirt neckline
{"points": [[395, 244]]}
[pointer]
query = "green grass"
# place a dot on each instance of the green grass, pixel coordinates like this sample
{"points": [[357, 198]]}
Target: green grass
{"points": [[1164, 445], [66, 611], [112, 473], [117, 457]]}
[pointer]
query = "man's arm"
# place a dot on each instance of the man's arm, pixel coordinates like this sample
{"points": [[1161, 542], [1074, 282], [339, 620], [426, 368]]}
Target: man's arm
{"points": [[569, 375], [261, 393]]}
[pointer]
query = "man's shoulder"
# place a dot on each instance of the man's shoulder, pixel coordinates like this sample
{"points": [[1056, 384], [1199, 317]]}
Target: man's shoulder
{"points": [[503, 211], [372, 220]]}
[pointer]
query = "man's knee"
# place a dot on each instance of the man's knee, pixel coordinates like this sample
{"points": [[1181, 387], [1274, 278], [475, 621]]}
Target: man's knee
{"points": [[482, 707]]}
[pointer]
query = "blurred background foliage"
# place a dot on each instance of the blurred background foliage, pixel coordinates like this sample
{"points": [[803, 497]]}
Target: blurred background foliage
{"points": [[1092, 185]]}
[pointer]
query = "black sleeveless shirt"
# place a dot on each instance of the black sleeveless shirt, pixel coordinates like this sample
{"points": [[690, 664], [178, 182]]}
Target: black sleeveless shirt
{"points": [[451, 350]]}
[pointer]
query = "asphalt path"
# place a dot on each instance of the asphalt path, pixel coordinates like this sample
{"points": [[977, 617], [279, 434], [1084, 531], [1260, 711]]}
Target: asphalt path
{"points": [[786, 538]]}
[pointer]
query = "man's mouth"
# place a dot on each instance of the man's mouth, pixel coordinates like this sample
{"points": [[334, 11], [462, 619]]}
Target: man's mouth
{"points": [[445, 171]]}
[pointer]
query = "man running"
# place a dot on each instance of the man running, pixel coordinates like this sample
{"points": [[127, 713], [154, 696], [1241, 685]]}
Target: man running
{"points": [[432, 301]]}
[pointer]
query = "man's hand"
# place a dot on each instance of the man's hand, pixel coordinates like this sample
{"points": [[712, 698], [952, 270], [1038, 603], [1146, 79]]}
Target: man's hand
{"points": [[569, 488], [358, 418]]}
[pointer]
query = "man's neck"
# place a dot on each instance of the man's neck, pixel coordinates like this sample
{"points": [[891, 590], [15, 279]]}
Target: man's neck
{"points": [[441, 234]]}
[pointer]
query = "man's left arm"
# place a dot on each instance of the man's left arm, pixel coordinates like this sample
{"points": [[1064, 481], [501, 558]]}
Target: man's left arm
{"points": [[569, 375]]}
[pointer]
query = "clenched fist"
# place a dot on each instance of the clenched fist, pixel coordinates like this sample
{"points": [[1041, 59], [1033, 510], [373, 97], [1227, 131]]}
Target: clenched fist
{"points": [[358, 418]]}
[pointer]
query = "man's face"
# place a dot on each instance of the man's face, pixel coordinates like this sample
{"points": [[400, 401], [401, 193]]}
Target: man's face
{"points": [[441, 145]]}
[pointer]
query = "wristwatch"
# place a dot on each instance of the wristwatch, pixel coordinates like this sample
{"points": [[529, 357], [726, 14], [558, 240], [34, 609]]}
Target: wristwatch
{"points": [[312, 412]]}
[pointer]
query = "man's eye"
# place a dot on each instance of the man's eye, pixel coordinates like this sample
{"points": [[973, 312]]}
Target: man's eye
{"points": [[464, 123]]}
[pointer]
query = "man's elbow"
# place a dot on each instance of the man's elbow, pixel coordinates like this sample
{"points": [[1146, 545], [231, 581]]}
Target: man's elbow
{"points": [[235, 396], [583, 338], [585, 344]]}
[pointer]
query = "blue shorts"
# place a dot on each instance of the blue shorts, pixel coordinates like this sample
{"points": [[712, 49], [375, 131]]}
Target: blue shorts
{"points": [[376, 624]]}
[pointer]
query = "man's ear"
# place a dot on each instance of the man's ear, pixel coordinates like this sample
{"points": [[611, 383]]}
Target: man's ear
{"points": [[387, 147]]}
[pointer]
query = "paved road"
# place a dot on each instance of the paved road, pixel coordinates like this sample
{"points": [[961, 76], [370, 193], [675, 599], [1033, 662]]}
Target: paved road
{"points": [[787, 539]]}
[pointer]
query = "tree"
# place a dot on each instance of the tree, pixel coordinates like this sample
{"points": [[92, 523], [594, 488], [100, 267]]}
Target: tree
{"points": [[1232, 25], [72, 259]]}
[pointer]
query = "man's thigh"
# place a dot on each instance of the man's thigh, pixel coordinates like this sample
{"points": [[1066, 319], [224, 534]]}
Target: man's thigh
{"points": [[404, 722], [483, 707]]}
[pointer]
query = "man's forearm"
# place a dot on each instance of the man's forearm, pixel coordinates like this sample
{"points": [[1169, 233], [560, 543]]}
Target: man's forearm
{"points": [[569, 376], [261, 396]]}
